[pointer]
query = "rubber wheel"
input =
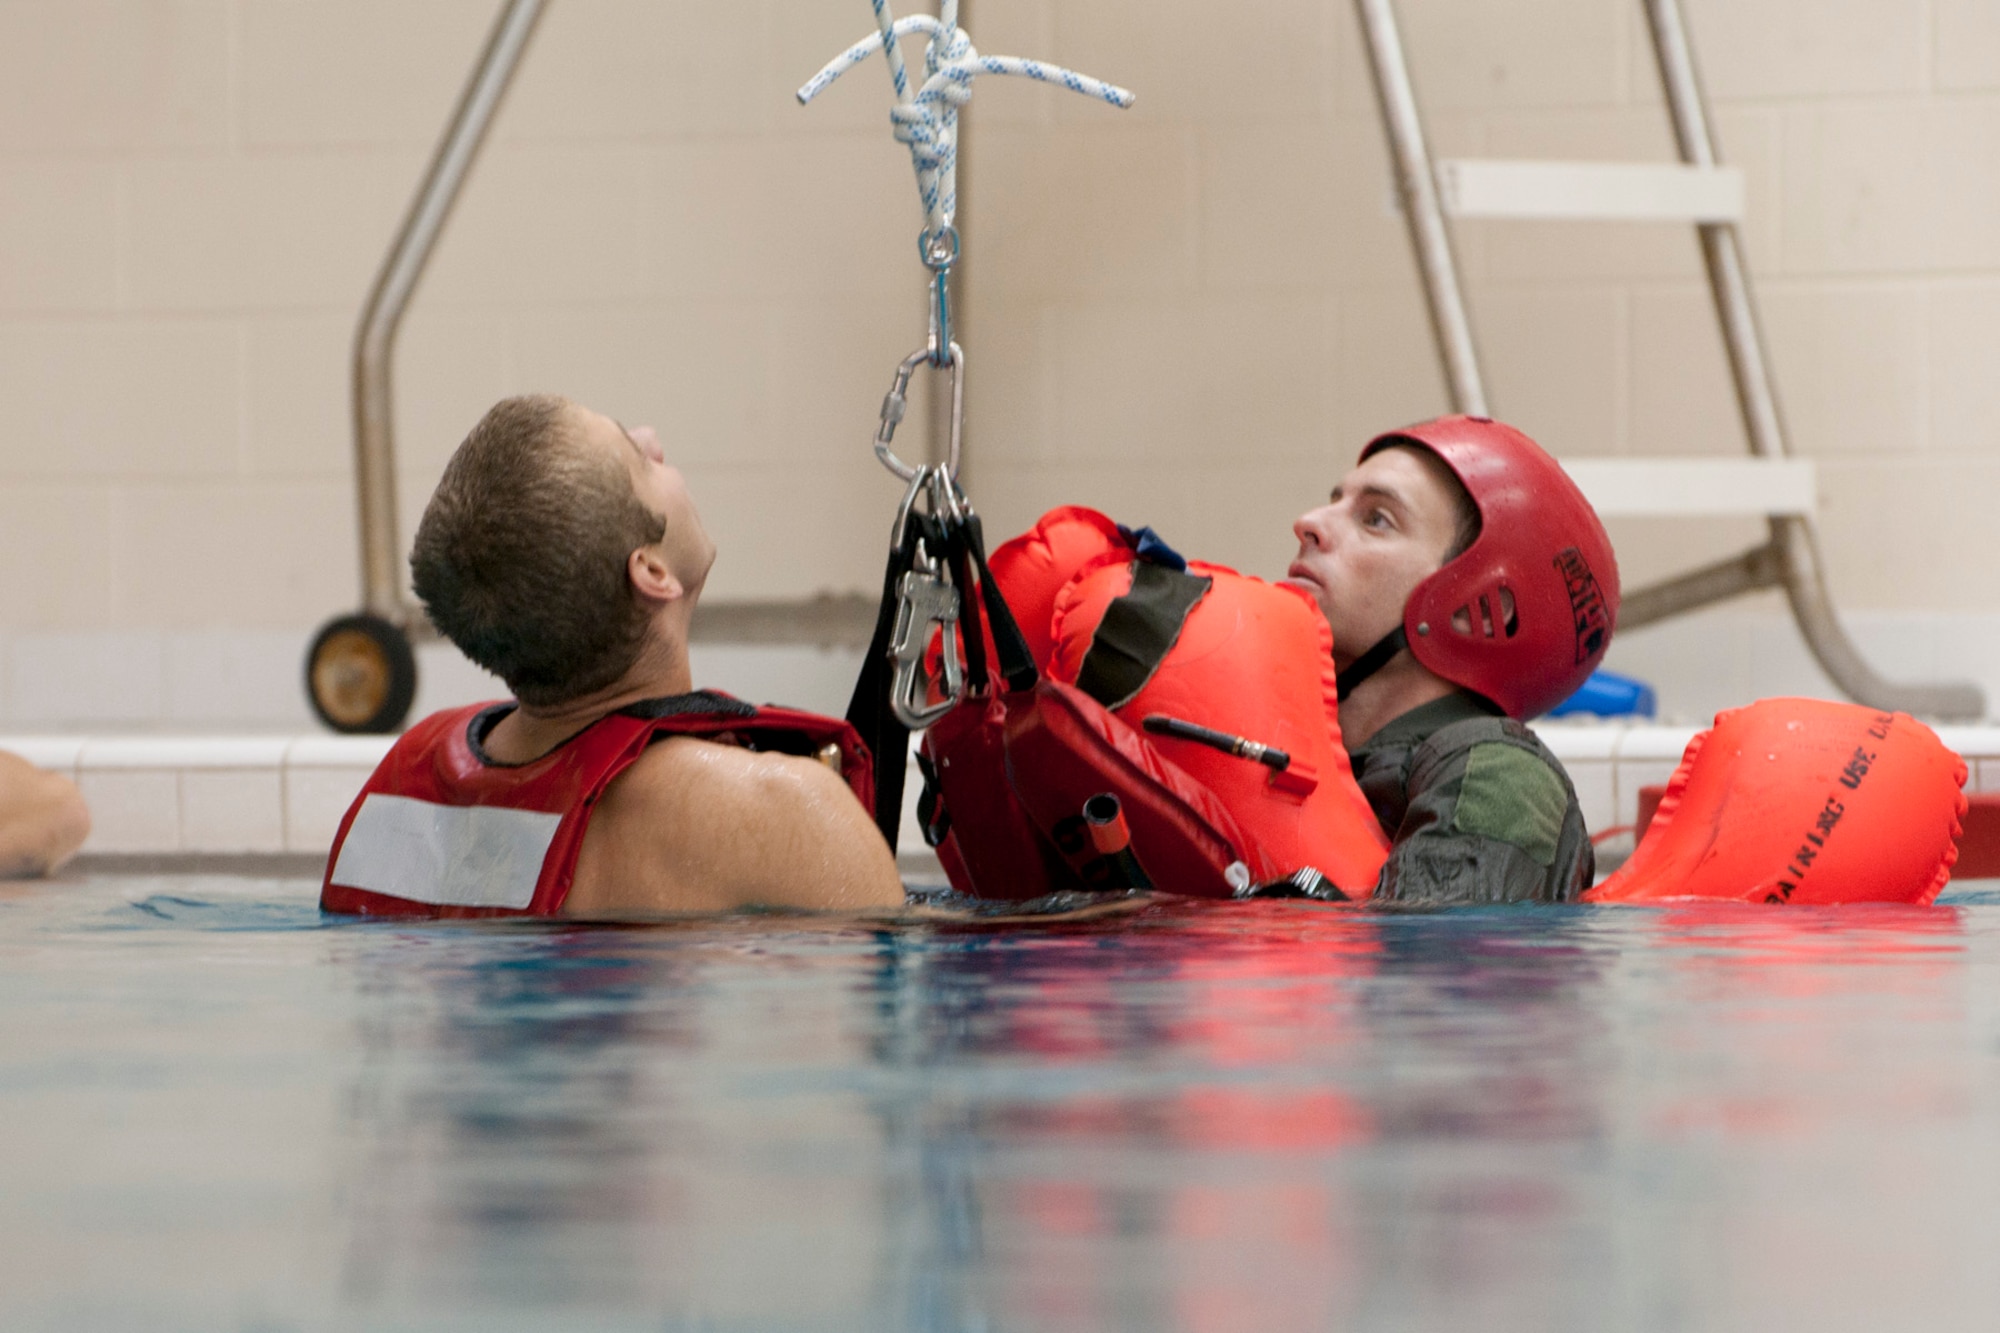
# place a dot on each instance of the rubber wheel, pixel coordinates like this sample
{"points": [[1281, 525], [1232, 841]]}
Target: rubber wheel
{"points": [[361, 675]]}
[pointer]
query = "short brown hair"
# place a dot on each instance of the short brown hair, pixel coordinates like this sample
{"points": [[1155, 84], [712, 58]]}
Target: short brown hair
{"points": [[520, 557]]}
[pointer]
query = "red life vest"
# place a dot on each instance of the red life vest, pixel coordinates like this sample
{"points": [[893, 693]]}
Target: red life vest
{"points": [[439, 830]]}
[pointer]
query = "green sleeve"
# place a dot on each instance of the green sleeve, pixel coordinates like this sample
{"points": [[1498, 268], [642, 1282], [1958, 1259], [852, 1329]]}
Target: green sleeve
{"points": [[1484, 825]]}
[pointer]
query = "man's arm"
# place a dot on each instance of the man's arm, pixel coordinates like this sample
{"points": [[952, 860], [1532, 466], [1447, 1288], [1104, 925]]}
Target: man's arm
{"points": [[43, 819], [695, 826]]}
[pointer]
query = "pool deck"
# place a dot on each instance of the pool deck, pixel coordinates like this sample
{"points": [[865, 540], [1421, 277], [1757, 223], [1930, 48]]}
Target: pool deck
{"points": [[268, 795]]}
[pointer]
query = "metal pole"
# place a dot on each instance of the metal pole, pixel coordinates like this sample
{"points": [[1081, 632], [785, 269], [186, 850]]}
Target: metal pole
{"points": [[375, 339], [1417, 185], [1804, 576]]}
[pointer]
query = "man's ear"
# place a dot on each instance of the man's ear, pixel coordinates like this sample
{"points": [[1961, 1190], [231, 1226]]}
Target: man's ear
{"points": [[651, 578]]}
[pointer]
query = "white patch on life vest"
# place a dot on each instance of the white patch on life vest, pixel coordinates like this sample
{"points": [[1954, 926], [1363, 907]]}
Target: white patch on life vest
{"points": [[447, 855]]}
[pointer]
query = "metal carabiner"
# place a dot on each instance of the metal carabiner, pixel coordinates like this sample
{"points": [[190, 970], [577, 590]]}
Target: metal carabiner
{"points": [[924, 600], [896, 404]]}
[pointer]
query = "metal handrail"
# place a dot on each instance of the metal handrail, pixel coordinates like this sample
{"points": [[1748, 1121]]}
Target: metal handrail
{"points": [[1791, 558], [375, 339]]}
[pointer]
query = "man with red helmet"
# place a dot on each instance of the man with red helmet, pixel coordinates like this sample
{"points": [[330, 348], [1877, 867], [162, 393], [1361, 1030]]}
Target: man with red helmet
{"points": [[1469, 587]]}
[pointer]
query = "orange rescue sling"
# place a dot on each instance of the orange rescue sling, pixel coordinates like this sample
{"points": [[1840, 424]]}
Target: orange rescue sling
{"points": [[1121, 636]]}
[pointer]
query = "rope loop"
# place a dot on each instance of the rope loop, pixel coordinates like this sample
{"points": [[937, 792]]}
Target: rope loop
{"points": [[926, 120]]}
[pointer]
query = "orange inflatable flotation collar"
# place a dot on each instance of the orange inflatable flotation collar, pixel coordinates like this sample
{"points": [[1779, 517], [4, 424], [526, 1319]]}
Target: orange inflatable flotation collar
{"points": [[1123, 631], [1802, 801]]}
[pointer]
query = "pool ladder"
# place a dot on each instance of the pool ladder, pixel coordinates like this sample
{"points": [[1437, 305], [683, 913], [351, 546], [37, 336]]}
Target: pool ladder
{"points": [[1699, 190]]}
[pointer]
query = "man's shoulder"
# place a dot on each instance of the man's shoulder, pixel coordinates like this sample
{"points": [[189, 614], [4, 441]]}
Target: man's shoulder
{"points": [[709, 773]]}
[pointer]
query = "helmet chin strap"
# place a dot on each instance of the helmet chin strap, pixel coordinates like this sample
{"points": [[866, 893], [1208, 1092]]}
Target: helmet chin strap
{"points": [[1370, 662]]}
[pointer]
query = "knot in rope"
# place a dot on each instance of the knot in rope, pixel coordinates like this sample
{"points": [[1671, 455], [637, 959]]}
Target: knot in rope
{"points": [[927, 120]]}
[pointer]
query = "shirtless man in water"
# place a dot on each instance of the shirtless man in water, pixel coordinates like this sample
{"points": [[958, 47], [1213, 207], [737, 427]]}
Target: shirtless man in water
{"points": [[563, 553]]}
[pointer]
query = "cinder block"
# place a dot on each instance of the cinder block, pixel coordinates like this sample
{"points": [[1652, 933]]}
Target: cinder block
{"points": [[834, 214], [1896, 186], [1388, 364], [58, 236], [662, 71], [128, 398], [1965, 180], [1160, 381], [1255, 187], [1010, 397], [298, 409], [55, 546], [1968, 44], [1851, 361], [247, 554], [1962, 346], [1096, 210], [1942, 547], [269, 232], [1556, 358], [541, 224], [1809, 48], [360, 72], [830, 363], [1945, 506], [1683, 399], [93, 75]]}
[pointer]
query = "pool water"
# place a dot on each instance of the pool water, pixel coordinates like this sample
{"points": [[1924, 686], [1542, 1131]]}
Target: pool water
{"points": [[220, 1111]]}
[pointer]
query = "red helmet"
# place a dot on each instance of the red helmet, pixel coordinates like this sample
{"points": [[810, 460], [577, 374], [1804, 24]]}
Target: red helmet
{"points": [[1524, 614]]}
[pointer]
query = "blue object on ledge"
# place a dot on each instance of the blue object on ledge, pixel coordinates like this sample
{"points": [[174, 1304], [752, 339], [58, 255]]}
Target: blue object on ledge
{"points": [[1607, 694]]}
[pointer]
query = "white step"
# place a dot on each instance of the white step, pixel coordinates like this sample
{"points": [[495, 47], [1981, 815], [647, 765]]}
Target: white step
{"points": [[1680, 487], [1597, 191]]}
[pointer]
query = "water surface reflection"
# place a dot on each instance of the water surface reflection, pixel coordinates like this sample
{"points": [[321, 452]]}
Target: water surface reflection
{"points": [[1198, 1118]]}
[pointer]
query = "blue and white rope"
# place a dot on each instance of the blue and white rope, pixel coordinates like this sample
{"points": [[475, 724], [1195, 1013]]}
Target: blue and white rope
{"points": [[928, 119]]}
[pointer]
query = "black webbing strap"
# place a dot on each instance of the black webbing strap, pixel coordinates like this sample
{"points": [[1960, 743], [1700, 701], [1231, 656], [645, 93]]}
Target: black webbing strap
{"points": [[1138, 630], [1010, 648], [868, 710], [1370, 662]]}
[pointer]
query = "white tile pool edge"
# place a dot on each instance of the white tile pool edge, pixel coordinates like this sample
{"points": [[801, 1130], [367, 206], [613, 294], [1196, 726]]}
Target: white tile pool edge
{"points": [[242, 795]]}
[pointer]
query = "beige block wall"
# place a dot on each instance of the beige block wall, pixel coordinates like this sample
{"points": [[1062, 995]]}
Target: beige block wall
{"points": [[1192, 313]]}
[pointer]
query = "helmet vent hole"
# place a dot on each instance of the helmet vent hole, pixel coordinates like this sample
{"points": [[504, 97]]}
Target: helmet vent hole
{"points": [[1510, 622], [1486, 615], [1461, 620]]}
